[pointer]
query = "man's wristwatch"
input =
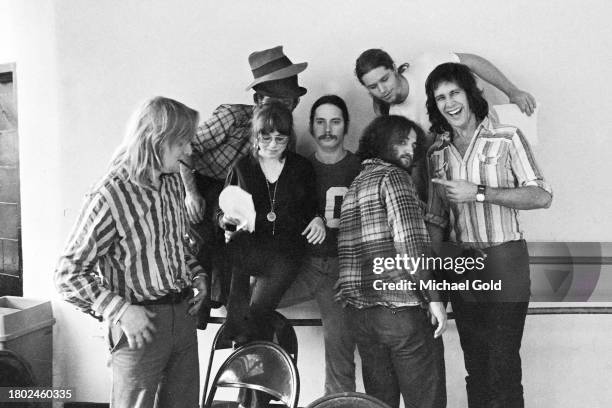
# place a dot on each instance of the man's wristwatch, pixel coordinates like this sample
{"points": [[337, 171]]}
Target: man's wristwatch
{"points": [[480, 193]]}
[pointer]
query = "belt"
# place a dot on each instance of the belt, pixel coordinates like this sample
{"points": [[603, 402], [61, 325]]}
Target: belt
{"points": [[171, 298]]}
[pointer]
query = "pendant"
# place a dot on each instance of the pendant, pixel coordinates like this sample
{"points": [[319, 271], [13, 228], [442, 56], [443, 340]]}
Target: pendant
{"points": [[271, 216]]}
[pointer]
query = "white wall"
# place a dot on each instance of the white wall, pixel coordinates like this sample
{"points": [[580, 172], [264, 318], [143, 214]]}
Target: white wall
{"points": [[83, 65], [110, 55]]}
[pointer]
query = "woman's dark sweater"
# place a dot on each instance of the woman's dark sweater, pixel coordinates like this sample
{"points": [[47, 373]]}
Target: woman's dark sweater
{"points": [[295, 205]]}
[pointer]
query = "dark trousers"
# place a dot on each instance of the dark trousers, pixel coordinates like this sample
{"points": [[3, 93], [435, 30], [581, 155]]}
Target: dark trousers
{"points": [[399, 356], [249, 307], [490, 326], [316, 280], [248, 317]]}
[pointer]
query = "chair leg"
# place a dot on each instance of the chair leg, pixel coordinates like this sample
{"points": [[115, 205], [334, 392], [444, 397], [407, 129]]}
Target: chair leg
{"points": [[213, 347]]}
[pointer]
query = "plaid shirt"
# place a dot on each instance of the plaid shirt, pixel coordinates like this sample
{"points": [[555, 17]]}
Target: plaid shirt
{"points": [[127, 245], [382, 216], [222, 140]]}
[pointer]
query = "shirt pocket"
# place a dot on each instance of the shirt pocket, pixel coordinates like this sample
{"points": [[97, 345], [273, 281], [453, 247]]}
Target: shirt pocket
{"points": [[488, 160], [438, 166]]}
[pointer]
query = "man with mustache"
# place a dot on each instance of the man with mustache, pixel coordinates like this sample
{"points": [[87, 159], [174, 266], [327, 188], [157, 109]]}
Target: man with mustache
{"points": [[335, 169], [382, 218]]}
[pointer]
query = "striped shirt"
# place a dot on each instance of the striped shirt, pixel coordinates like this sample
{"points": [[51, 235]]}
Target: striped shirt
{"points": [[222, 139], [498, 156], [381, 217], [127, 246]]}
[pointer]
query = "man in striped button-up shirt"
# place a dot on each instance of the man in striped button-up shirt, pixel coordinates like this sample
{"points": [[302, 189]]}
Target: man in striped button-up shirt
{"points": [[126, 261], [499, 158], [483, 173]]}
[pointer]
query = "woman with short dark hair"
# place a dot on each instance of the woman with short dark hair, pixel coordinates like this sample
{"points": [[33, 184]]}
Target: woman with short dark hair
{"points": [[282, 185]]}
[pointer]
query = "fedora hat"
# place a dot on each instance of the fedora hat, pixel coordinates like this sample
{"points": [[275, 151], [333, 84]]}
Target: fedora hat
{"points": [[271, 65]]}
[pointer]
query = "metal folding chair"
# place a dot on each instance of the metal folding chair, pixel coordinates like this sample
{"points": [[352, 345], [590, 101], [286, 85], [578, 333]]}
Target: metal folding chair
{"points": [[260, 366], [284, 335]]}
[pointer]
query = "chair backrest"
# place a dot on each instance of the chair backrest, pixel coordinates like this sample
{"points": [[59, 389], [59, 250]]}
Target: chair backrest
{"points": [[262, 366], [284, 335], [348, 400]]}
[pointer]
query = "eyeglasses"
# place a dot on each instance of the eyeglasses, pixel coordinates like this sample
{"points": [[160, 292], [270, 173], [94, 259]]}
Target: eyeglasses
{"points": [[267, 139]]}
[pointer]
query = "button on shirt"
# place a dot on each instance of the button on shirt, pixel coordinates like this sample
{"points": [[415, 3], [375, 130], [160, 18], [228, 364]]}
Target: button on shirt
{"points": [[498, 156], [127, 245], [381, 217]]}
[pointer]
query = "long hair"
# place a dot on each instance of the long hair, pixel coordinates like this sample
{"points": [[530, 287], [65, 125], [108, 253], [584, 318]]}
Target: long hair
{"points": [[332, 100], [377, 138], [270, 117], [372, 59], [157, 123], [460, 75]]}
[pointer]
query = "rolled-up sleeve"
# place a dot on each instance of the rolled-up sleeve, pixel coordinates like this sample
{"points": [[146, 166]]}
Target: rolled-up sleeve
{"points": [[214, 131], [222, 139], [523, 163], [193, 266]]}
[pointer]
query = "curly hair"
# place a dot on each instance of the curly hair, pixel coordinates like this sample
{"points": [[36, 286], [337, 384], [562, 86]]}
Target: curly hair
{"points": [[377, 138], [460, 75]]}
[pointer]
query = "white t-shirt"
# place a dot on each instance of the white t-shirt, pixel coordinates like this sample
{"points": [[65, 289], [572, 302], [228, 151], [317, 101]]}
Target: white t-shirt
{"points": [[413, 107]]}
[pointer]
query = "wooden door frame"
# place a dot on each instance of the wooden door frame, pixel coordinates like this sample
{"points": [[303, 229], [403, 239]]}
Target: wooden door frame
{"points": [[12, 68]]}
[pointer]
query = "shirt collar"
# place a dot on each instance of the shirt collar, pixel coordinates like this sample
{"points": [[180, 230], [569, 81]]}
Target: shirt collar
{"points": [[485, 127], [375, 161]]}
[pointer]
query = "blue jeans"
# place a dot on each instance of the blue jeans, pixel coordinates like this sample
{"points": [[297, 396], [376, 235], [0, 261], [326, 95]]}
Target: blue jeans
{"points": [[490, 327], [163, 373], [399, 355], [316, 280]]}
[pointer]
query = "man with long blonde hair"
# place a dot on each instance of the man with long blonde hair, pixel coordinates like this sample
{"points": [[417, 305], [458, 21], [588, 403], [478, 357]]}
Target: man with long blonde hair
{"points": [[126, 261]]}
